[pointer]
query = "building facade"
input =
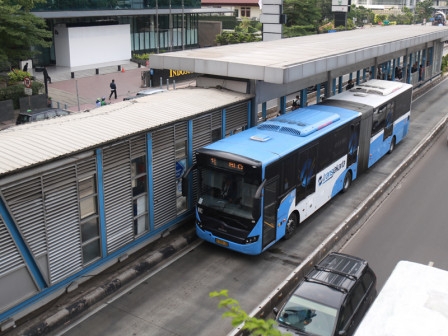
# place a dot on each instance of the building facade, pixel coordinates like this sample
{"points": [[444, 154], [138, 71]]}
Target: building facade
{"points": [[154, 25], [240, 8]]}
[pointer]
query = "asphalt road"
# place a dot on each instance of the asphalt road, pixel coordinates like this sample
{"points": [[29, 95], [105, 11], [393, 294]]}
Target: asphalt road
{"points": [[412, 221], [175, 300]]}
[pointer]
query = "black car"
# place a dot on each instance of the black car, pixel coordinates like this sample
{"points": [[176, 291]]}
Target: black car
{"points": [[40, 114], [332, 298]]}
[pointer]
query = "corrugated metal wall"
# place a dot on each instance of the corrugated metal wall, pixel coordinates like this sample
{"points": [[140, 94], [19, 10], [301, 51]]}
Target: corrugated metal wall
{"points": [[164, 176]]}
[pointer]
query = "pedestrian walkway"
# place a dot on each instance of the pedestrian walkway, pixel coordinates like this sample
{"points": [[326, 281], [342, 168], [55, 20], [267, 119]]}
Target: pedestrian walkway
{"points": [[79, 93]]}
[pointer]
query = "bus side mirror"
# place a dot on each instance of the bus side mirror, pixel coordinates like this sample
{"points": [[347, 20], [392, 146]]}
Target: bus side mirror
{"points": [[185, 180], [256, 209], [184, 186], [256, 204]]}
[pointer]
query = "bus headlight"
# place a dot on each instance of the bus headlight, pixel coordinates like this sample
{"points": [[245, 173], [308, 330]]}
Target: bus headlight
{"points": [[250, 240], [200, 210], [199, 223]]}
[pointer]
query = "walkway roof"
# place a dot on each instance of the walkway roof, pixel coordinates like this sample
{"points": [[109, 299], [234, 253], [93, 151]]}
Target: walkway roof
{"points": [[287, 60], [28, 145]]}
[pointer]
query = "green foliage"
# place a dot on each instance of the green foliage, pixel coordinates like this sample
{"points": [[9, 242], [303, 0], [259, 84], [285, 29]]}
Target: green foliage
{"points": [[255, 326], [20, 31], [445, 63], [16, 91], [299, 31], [301, 14], [27, 5], [246, 31], [142, 57], [401, 19], [424, 10], [361, 14], [379, 18], [18, 75]]}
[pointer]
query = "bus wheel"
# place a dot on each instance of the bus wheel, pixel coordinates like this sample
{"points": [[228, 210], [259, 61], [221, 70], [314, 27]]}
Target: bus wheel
{"points": [[392, 146], [291, 226], [347, 181]]}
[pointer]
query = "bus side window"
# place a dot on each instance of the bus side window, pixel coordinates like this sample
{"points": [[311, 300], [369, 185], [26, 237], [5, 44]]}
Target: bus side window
{"points": [[306, 173], [289, 169], [379, 119]]}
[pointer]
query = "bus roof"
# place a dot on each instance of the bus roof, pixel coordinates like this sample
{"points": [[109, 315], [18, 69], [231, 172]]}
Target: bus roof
{"points": [[413, 301], [373, 92], [279, 136]]}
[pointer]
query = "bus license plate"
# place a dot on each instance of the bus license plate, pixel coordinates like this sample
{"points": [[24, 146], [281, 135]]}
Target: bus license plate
{"points": [[221, 242]]}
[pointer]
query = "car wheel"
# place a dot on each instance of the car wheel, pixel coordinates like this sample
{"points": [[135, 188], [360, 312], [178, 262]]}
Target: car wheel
{"points": [[347, 181], [291, 226]]}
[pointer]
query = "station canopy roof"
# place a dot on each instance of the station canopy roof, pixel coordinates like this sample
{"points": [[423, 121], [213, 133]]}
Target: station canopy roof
{"points": [[287, 60], [27, 145]]}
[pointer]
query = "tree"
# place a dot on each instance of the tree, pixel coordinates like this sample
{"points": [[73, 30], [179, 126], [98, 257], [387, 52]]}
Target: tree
{"points": [[20, 31], [255, 326], [246, 31], [424, 10], [302, 17], [361, 14]]}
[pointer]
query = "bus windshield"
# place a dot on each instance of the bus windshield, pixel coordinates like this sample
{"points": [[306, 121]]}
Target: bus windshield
{"points": [[227, 192]]}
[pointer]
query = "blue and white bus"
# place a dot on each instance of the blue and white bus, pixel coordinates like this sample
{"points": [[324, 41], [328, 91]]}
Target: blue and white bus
{"points": [[256, 186]]}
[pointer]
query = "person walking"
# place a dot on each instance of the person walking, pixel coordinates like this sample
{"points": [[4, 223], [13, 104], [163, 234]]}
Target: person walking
{"points": [[113, 89]]}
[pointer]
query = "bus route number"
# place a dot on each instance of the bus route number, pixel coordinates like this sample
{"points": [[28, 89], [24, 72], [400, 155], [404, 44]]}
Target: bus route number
{"points": [[237, 166], [226, 164]]}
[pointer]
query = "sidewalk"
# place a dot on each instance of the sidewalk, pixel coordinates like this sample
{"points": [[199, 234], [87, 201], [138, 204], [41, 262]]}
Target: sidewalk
{"points": [[80, 93]]}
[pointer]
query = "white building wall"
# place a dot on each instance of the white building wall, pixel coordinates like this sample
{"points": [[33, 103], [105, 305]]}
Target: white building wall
{"points": [[91, 46], [61, 45]]}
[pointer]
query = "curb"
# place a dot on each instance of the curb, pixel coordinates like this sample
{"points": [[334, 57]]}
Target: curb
{"points": [[132, 272]]}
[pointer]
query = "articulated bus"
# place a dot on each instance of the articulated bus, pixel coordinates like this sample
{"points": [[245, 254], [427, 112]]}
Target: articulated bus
{"points": [[256, 186]]}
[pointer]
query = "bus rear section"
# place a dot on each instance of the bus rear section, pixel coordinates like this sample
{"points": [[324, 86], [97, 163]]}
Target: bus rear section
{"points": [[412, 302], [386, 116], [255, 187]]}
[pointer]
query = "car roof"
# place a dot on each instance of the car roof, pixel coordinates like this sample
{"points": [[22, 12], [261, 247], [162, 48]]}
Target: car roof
{"points": [[150, 91], [332, 278], [43, 110]]}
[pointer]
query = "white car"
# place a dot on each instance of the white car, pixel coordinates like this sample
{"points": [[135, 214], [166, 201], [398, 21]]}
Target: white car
{"points": [[147, 92]]}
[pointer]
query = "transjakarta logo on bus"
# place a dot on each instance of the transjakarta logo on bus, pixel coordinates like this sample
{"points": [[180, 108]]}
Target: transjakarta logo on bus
{"points": [[329, 174]]}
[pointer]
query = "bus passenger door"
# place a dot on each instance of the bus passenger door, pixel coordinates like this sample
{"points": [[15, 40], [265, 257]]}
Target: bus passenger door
{"points": [[271, 190], [389, 122]]}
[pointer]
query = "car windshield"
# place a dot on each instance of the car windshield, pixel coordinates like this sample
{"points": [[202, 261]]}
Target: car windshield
{"points": [[23, 118], [308, 316], [229, 193]]}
